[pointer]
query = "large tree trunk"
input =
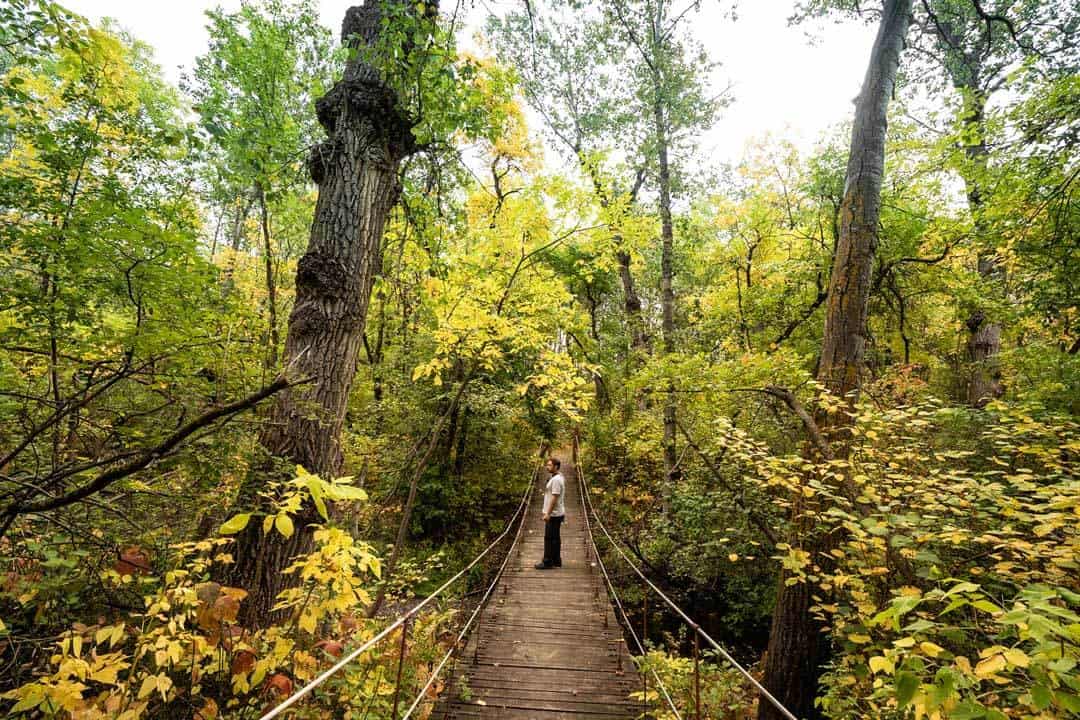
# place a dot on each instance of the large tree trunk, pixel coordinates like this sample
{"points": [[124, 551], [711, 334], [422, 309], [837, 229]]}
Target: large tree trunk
{"points": [[984, 334], [796, 648], [356, 170]]}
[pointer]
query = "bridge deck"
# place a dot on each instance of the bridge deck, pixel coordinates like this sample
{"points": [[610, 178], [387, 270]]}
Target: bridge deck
{"points": [[548, 646]]}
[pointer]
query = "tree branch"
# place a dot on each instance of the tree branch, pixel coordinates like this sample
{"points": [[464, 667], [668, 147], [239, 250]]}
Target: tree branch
{"points": [[147, 457], [755, 517], [793, 404]]}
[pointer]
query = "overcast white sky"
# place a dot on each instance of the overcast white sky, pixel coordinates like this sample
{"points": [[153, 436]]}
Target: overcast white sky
{"points": [[782, 82]]}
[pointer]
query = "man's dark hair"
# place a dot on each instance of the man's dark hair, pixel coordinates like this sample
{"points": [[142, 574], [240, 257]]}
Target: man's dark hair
{"points": [[558, 465]]}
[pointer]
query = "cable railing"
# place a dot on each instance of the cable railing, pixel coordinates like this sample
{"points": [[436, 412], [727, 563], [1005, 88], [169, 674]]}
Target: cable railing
{"points": [[403, 620], [698, 631], [618, 603]]}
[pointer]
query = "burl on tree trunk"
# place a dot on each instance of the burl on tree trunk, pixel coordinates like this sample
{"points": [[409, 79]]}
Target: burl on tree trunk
{"points": [[797, 643], [356, 169]]}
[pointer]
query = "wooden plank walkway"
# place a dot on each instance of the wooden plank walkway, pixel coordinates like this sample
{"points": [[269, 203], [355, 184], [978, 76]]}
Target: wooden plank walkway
{"points": [[548, 646]]}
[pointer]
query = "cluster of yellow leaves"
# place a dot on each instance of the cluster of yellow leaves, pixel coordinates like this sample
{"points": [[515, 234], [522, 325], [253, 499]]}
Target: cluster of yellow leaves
{"points": [[501, 303], [956, 587], [185, 646]]}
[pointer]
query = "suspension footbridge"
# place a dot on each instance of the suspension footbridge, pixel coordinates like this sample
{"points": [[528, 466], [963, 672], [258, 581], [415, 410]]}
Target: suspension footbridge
{"points": [[551, 644]]}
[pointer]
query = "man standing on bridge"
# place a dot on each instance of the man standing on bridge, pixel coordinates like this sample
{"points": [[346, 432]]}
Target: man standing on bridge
{"points": [[554, 512]]}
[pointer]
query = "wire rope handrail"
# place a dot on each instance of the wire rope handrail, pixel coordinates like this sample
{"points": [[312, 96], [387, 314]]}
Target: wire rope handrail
{"points": [[586, 497], [403, 619], [615, 596], [479, 609]]}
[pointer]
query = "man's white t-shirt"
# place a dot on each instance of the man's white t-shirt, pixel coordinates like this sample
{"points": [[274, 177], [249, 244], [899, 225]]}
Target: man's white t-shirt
{"points": [[553, 496]]}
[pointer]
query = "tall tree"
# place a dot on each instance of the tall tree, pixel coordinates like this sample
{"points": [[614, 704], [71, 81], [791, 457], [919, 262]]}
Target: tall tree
{"points": [[570, 75], [670, 92], [356, 170], [976, 49], [265, 65], [796, 643]]}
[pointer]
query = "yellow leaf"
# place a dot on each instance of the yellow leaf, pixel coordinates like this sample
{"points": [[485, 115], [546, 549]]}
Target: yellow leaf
{"points": [[148, 686], [284, 525], [107, 674], [235, 524], [859, 639], [880, 663], [931, 649], [1017, 657], [164, 683], [990, 665]]}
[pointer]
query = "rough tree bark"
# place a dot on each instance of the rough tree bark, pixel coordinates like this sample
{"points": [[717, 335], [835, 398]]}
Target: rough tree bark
{"points": [[356, 171], [984, 334], [797, 645]]}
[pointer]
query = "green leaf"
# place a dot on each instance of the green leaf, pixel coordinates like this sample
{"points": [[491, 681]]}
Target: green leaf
{"points": [[235, 524], [1069, 702], [1041, 696], [906, 686]]}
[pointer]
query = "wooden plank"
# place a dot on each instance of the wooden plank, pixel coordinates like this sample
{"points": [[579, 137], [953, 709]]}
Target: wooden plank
{"points": [[548, 646]]}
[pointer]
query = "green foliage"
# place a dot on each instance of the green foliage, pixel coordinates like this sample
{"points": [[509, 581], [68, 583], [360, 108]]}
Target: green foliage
{"points": [[136, 286], [955, 564], [254, 89], [724, 693]]}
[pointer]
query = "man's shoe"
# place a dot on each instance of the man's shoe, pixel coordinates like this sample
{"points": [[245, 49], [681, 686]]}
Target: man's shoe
{"points": [[558, 564], [542, 566]]}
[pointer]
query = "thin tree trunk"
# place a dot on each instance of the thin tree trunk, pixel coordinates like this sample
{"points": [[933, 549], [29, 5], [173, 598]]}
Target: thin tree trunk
{"points": [[744, 329], [632, 306], [243, 208], [967, 72], [410, 502], [631, 300], [217, 234], [797, 650], [356, 171], [273, 340], [667, 293]]}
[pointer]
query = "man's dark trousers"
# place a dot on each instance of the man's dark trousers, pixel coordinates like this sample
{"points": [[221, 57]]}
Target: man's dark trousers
{"points": [[552, 542]]}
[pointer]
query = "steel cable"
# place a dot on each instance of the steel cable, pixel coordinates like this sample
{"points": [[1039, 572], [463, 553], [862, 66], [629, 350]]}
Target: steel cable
{"points": [[693, 625], [615, 595], [307, 689], [475, 613]]}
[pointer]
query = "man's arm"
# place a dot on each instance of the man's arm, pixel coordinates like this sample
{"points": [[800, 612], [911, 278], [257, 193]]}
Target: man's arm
{"points": [[549, 501]]}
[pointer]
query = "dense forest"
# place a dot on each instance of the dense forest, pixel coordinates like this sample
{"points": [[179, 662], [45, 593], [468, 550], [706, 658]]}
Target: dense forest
{"points": [[280, 344]]}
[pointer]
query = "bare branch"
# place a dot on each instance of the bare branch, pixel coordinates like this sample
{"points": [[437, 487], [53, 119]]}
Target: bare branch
{"points": [[147, 457], [793, 404]]}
